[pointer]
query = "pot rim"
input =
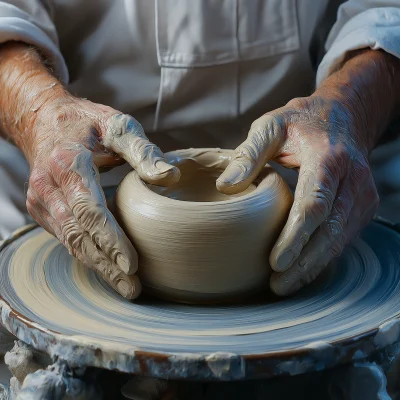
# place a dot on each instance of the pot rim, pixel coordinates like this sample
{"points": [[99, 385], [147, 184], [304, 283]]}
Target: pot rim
{"points": [[217, 155]]}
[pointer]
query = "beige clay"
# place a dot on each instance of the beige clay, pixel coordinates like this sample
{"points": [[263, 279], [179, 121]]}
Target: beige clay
{"points": [[70, 312], [196, 244]]}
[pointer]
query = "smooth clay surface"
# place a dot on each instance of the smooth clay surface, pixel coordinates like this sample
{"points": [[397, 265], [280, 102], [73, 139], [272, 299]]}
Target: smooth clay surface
{"points": [[196, 244]]}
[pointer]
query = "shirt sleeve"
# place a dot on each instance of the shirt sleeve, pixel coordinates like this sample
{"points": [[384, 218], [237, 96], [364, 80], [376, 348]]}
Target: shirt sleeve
{"points": [[29, 21], [361, 24]]}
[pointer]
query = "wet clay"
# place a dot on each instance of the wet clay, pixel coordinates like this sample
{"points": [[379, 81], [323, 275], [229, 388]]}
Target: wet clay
{"points": [[197, 184], [44, 284], [104, 246], [196, 244]]}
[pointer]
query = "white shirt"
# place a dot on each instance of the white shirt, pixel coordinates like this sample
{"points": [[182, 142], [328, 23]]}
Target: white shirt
{"points": [[180, 64], [195, 73]]}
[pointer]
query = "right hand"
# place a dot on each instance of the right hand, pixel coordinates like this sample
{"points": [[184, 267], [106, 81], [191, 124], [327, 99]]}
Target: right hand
{"points": [[70, 139]]}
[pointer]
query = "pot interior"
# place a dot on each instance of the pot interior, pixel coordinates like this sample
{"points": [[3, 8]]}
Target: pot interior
{"points": [[197, 184]]}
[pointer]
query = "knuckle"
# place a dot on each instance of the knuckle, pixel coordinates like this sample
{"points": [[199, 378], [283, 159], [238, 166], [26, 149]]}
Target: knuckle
{"points": [[247, 151], [298, 103], [89, 213], [134, 126], [120, 124], [335, 227], [62, 116], [265, 131], [115, 125], [71, 235], [67, 117], [257, 127], [259, 124], [267, 126]]}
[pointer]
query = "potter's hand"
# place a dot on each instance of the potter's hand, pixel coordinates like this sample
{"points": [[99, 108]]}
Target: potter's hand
{"points": [[65, 140], [328, 136], [335, 194], [73, 138]]}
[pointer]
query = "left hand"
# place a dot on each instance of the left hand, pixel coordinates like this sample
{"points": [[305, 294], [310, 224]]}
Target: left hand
{"points": [[335, 195]]}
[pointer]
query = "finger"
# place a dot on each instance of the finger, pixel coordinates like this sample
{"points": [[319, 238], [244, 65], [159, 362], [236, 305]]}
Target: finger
{"points": [[78, 242], [313, 258], [292, 280], [313, 200], [263, 142], [126, 137], [332, 236], [81, 193], [127, 285]]}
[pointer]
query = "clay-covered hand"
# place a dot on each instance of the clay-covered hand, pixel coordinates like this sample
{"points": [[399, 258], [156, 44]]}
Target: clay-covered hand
{"points": [[327, 137], [65, 140], [72, 138], [335, 194]]}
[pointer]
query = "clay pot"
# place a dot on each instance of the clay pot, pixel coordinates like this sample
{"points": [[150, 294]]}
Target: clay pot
{"points": [[196, 244]]}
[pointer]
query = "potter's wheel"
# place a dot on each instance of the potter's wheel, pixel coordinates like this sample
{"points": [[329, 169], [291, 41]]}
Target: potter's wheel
{"points": [[350, 312]]}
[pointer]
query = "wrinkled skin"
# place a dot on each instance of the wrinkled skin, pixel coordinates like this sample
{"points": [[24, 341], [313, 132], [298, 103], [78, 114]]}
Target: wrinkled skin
{"points": [[65, 195], [335, 195], [66, 140], [327, 137]]}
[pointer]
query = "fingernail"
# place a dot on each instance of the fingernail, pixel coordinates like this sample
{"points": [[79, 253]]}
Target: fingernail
{"points": [[124, 288], [162, 167], [123, 262], [284, 260], [231, 176], [169, 173]]}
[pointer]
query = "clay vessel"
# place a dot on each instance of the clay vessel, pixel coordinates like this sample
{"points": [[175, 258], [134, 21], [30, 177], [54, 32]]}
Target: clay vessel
{"points": [[196, 244]]}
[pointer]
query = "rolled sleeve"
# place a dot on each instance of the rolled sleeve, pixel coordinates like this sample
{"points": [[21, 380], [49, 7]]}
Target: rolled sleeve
{"points": [[30, 22], [361, 25]]}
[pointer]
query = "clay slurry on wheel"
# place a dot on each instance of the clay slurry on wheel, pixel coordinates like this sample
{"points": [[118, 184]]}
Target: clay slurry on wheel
{"points": [[360, 291]]}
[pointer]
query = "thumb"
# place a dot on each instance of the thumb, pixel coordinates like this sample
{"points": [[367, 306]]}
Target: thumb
{"points": [[265, 138], [125, 137]]}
